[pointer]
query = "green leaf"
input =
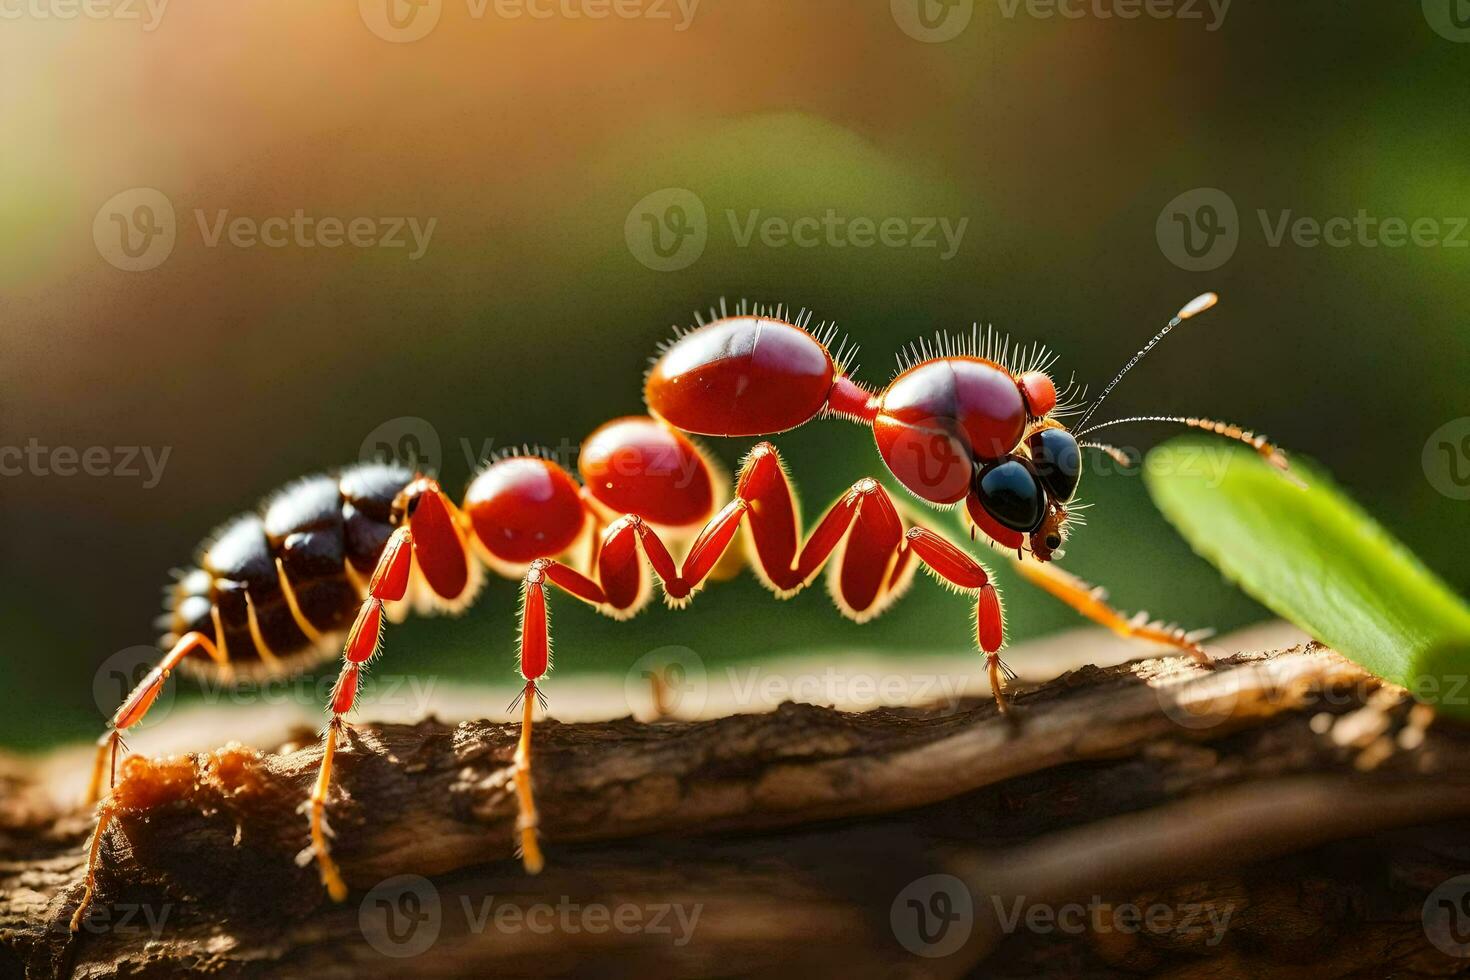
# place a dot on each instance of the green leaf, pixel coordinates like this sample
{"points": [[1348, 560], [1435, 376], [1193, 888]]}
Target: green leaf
{"points": [[1317, 559]]}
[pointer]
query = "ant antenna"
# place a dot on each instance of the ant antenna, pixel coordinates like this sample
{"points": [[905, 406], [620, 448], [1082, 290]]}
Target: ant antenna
{"points": [[1193, 308], [1267, 450], [1118, 456]]}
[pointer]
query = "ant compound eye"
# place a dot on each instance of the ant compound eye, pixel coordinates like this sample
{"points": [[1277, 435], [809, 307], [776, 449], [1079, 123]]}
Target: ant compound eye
{"points": [[1053, 542], [1011, 492], [1057, 460]]}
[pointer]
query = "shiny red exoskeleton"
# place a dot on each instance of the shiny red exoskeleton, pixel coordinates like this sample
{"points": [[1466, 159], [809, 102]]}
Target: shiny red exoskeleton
{"points": [[969, 423]]}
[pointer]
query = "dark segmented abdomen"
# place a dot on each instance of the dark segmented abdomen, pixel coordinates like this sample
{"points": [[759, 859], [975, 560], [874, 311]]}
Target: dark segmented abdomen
{"points": [[285, 568]]}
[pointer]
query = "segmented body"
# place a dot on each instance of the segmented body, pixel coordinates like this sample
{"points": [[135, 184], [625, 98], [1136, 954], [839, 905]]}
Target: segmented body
{"points": [[275, 588]]}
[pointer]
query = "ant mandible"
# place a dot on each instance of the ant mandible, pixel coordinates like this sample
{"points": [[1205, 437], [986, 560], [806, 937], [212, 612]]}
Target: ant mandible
{"points": [[970, 422]]}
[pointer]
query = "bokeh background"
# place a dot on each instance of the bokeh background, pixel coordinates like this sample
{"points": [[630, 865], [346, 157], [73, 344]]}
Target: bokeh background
{"points": [[534, 143]]}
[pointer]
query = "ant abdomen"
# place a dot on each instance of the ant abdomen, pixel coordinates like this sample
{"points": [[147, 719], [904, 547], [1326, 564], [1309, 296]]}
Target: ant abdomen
{"points": [[273, 589]]}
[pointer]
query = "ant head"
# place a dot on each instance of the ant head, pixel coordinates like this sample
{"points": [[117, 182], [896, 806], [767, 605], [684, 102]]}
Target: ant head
{"points": [[1024, 494]]}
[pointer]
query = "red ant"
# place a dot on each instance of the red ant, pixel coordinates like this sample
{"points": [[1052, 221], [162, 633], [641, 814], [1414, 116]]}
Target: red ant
{"points": [[972, 422]]}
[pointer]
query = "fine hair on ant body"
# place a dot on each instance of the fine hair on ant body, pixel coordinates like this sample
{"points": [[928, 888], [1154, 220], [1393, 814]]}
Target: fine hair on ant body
{"points": [[970, 422]]}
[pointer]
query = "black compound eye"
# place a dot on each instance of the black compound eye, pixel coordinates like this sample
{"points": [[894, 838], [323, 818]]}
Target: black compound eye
{"points": [[1011, 492], [1053, 541], [1058, 462]]}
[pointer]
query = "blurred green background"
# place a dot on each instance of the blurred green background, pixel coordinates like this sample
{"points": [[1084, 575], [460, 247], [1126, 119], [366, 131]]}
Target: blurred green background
{"points": [[530, 317]]}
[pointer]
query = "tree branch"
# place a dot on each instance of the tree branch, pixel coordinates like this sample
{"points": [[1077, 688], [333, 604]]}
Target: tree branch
{"points": [[791, 833]]}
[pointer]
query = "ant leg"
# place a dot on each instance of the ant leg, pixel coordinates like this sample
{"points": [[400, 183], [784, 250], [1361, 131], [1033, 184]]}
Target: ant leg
{"points": [[432, 542], [952, 565], [388, 584], [535, 660], [1090, 602], [127, 715], [139, 701], [868, 576]]}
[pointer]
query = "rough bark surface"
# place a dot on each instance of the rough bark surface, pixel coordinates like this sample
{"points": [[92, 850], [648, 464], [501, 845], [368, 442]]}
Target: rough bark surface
{"points": [[1283, 810]]}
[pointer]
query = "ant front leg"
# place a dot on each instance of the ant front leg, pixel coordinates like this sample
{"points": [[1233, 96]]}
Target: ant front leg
{"points": [[952, 565], [873, 556], [1090, 602]]}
